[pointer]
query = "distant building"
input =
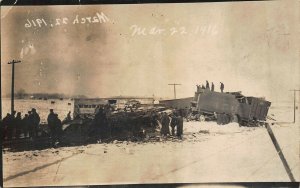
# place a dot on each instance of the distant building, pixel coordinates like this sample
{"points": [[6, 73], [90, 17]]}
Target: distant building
{"points": [[83, 106], [120, 101], [87, 106]]}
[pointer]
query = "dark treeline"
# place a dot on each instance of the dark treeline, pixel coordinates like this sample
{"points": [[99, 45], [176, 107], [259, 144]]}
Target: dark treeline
{"points": [[22, 94]]}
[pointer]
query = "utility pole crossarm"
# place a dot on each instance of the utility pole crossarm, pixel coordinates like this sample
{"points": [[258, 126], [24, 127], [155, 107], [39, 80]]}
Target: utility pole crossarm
{"points": [[14, 61], [174, 85]]}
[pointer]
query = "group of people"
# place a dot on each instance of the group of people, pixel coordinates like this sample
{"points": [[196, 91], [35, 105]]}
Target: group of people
{"points": [[14, 125], [175, 120], [212, 88]]}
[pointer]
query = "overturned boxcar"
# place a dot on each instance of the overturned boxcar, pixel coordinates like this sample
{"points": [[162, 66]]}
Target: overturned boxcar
{"points": [[228, 107]]}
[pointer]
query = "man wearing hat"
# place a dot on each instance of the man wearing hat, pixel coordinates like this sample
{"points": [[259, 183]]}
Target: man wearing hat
{"points": [[52, 125], [179, 127], [35, 121]]}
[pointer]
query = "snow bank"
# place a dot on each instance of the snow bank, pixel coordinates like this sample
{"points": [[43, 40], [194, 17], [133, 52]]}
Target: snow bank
{"points": [[212, 127]]}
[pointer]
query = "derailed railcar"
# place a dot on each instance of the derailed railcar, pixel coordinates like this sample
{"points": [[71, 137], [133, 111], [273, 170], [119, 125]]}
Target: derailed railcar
{"points": [[228, 107], [87, 107]]}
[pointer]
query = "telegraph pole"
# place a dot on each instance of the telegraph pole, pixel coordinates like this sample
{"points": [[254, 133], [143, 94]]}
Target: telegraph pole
{"points": [[279, 151], [13, 62], [295, 90], [174, 89], [0, 92], [278, 148]]}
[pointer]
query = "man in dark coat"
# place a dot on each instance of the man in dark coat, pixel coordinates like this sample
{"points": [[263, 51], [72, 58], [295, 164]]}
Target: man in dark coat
{"points": [[25, 125], [222, 87], [1, 131], [154, 118], [212, 86], [18, 124], [58, 128], [35, 121], [68, 118], [100, 127], [51, 120], [207, 85], [11, 128], [30, 124], [173, 124], [6, 122], [179, 126], [165, 130]]}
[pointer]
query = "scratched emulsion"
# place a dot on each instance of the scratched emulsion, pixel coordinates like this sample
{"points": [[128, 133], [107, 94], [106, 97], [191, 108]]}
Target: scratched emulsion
{"points": [[256, 52], [137, 50]]}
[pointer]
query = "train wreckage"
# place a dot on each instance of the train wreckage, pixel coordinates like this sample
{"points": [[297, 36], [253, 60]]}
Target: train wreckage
{"points": [[229, 107], [98, 120]]}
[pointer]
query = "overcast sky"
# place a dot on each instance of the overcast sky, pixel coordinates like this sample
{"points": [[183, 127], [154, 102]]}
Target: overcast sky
{"points": [[251, 47]]}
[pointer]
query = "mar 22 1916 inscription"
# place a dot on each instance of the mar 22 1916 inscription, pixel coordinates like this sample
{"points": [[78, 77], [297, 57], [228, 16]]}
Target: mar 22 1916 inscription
{"points": [[43, 22]]}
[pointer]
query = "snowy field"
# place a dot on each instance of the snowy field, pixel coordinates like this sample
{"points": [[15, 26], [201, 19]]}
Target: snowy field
{"points": [[207, 153], [60, 107]]}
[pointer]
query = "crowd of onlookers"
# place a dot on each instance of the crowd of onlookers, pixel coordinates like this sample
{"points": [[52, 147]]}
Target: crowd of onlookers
{"points": [[14, 126]]}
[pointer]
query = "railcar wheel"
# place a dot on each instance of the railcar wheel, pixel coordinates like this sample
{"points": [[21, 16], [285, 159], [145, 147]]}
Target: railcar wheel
{"points": [[244, 123], [226, 119], [219, 119]]}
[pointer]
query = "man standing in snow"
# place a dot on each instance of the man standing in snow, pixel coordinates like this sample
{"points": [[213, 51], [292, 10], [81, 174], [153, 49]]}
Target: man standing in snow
{"points": [[52, 124], [6, 122], [179, 126], [165, 121], [35, 121], [173, 123]]}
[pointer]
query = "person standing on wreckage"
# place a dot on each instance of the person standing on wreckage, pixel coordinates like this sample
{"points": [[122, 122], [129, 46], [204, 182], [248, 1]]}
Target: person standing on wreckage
{"points": [[221, 87], [207, 85]]}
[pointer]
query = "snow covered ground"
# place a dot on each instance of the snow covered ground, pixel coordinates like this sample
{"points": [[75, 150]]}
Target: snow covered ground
{"points": [[207, 153]]}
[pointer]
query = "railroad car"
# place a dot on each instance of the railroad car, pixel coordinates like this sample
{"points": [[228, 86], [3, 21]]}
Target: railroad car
{"points": [[228, 107]]}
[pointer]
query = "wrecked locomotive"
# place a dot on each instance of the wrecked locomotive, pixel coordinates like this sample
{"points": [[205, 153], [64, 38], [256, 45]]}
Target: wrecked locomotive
{"points": [[229, 107]]}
